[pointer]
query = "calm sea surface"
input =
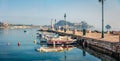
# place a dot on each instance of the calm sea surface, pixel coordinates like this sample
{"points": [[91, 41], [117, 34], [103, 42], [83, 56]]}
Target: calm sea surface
{"points": [[10, 51]]}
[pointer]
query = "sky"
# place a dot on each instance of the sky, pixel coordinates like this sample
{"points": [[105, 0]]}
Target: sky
{"points": [[40, 12]]}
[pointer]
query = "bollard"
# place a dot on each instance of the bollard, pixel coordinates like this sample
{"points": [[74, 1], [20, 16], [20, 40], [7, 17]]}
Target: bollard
{"points": [[84, 32], [34, 41], [18, 43]]}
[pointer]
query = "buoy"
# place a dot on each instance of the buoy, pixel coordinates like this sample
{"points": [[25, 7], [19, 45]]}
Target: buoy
{"points": [[34, 41], [25, 31], [18, 43]]}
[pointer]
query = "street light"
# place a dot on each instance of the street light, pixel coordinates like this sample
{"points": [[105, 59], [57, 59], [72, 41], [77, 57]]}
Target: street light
{"points": [[102, 1], [55, 25], [51, 24], [65, 22]]}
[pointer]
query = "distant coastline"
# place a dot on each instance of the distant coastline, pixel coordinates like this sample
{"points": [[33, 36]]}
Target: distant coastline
{"points": [[20, 26], [13, 26]]}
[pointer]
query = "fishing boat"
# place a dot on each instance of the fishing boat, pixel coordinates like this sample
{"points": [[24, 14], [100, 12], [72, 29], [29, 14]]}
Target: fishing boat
{"points": [[47, 36], [60, 41]]}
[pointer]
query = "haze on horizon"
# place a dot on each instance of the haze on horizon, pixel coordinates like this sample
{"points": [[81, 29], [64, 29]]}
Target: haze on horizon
{"points": [[41, 12]]}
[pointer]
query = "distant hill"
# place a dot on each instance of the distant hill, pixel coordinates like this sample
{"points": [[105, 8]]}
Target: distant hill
{"points": [[79, 26], [62, 23]]}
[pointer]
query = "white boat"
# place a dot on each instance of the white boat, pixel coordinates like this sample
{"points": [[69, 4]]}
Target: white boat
{"points": [[47, 36], [61, 40]]}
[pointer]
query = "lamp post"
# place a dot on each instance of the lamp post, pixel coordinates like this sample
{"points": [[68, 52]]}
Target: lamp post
{"points": [[55, 25], [51, 24], [65, 22], [102, 1]]}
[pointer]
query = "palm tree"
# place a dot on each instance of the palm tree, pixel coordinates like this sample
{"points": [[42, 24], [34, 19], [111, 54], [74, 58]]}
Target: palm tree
{"points": [[108, 27], [102, 1]]}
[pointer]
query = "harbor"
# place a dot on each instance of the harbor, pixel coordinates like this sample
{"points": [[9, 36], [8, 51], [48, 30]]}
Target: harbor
{"points": [[59, 30], [109, 45], [31, 48]]}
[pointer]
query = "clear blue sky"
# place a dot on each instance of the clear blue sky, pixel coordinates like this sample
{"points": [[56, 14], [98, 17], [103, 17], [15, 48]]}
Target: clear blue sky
{"points": [[41, 11]]}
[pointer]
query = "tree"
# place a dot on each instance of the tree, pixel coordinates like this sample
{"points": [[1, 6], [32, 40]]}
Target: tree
{"points": [[85, 26], [108, 27]]}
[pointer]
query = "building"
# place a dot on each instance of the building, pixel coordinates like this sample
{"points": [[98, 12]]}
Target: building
{"points": [[3, 25]]}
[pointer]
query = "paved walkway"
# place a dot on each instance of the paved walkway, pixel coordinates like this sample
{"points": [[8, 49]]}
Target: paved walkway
{"points": [[107, 37]]}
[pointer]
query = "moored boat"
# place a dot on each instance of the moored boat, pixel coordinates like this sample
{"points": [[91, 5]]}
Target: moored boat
{"points": [[60, 41]]}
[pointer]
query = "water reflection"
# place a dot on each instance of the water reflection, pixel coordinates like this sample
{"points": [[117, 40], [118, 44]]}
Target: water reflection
{"points": [[84, 53], [101, 56], [59, 48], [9, 50], [65, 55], [44, 47], [2, 30]]}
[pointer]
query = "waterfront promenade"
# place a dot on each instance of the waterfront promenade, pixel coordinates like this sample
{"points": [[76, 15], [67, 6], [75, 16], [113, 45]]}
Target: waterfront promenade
{"points": [[97, 36], [93, 35]]}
